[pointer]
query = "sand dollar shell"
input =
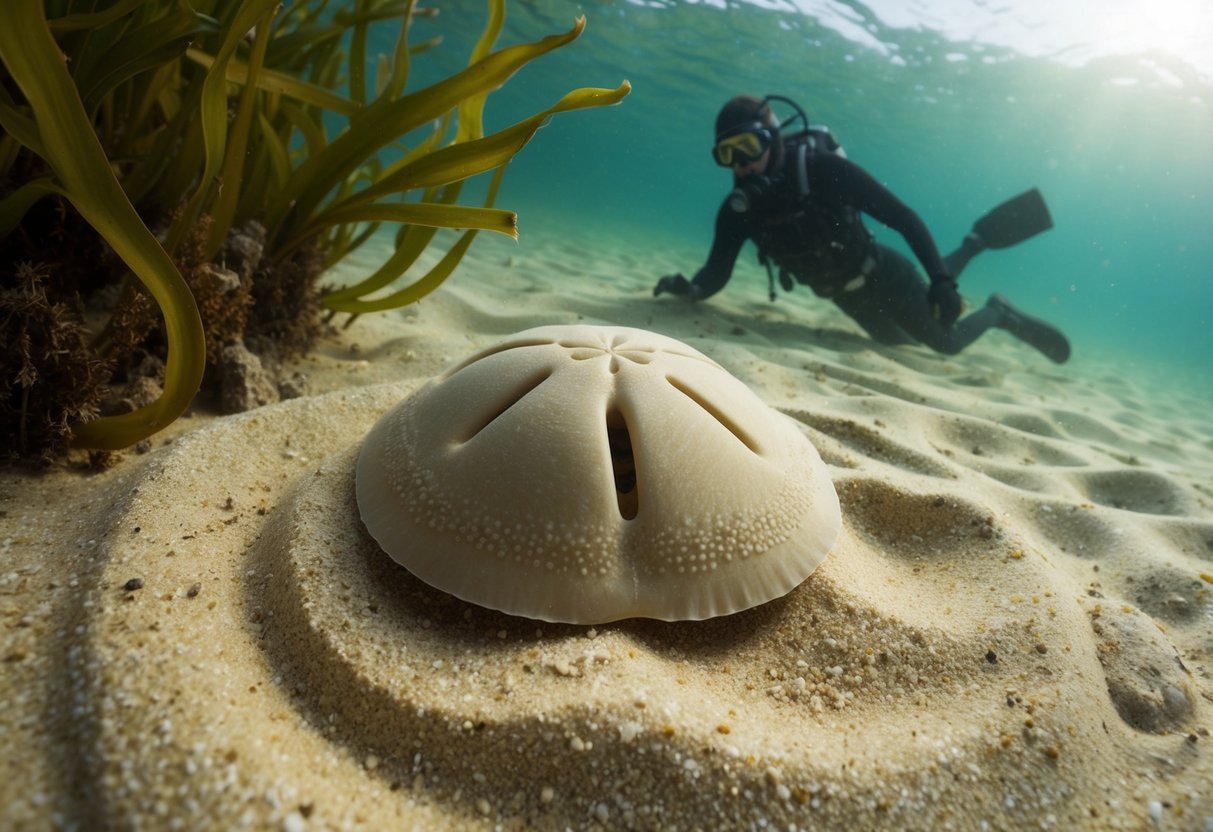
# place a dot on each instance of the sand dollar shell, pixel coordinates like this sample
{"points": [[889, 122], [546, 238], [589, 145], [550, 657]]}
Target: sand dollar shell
{"points": [[586, 474]]}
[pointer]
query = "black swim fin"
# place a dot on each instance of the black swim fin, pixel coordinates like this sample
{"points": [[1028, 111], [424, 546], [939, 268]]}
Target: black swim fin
{"points": [[1008, 224], [1017, 219]]}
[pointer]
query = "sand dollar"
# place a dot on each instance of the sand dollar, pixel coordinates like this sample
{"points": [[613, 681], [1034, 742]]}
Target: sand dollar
{"points": [[586, 474]]}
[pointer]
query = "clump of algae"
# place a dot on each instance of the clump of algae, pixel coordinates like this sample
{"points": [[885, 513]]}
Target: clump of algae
{"points": [[170, 194]]}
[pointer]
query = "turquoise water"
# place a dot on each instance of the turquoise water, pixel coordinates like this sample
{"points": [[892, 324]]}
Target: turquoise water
{"points": [[954, 104]]}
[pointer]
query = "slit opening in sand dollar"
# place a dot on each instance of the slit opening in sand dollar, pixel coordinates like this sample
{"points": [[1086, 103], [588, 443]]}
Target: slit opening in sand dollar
{"points": [[716, 413], [513, 396], [623, 465]]}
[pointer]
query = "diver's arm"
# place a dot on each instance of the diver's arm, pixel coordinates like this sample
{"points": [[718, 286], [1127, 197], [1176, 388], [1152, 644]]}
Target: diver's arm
{"points": [[730, 236], [858, 188]]}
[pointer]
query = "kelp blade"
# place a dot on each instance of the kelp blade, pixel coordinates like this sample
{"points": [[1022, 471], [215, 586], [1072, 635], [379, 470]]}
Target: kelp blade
{"points": [[423, 213], [464, 159], [383, 122], [355, 304], [271, 80]]}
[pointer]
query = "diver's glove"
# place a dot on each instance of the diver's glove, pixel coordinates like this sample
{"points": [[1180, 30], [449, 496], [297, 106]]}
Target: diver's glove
{"points": [[677, 285], [944, 300]]}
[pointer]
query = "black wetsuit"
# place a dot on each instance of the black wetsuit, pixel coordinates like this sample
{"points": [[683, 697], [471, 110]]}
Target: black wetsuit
{"points": [[817, 237]]}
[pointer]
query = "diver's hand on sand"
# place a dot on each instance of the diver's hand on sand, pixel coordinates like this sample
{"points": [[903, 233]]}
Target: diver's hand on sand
{"points": [[944, 300], [677, 285]]}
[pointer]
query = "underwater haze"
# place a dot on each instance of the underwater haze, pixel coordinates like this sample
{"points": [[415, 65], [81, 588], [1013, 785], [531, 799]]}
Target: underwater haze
{"points": [[1106, 106]]}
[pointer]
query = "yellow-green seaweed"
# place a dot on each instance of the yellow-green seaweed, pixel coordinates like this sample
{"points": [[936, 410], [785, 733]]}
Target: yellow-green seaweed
{"points": [[134, 127]]}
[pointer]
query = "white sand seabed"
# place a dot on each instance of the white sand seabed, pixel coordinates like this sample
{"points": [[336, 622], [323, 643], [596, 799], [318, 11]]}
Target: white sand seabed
{"points": [[1015, 627]]}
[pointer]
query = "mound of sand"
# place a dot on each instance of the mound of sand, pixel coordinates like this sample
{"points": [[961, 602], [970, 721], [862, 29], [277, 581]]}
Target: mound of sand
{"points": [[1014, 629]]}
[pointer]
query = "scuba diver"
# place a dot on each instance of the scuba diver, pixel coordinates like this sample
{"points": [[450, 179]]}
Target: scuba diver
{"points": [[800, 199]]}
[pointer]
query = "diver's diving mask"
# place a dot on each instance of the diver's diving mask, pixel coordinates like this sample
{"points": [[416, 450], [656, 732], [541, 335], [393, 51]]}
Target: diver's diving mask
{"points": [[742, 144]]}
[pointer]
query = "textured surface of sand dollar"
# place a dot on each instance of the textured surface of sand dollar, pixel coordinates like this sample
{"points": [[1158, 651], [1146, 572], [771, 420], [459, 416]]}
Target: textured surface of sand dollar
{"points": [[586, 474]]}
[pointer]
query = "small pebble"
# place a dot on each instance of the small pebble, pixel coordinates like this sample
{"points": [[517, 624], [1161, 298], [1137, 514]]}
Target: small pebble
{"points": [[133, 584], [1155, 810]]}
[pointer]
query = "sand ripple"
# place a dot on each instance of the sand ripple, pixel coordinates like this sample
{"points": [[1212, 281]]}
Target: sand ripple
{"points": [[1015, 628], [275, 665]]}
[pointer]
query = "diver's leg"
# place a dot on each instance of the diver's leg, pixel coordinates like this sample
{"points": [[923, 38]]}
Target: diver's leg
{"points": [[970, 247], [903, 293], [898, 289], [870, 313], [1015, 220], [1032, 331]]}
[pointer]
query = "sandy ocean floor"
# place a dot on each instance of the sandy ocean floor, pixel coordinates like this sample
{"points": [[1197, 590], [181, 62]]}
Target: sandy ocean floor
{"points": [[1013, 631]]}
